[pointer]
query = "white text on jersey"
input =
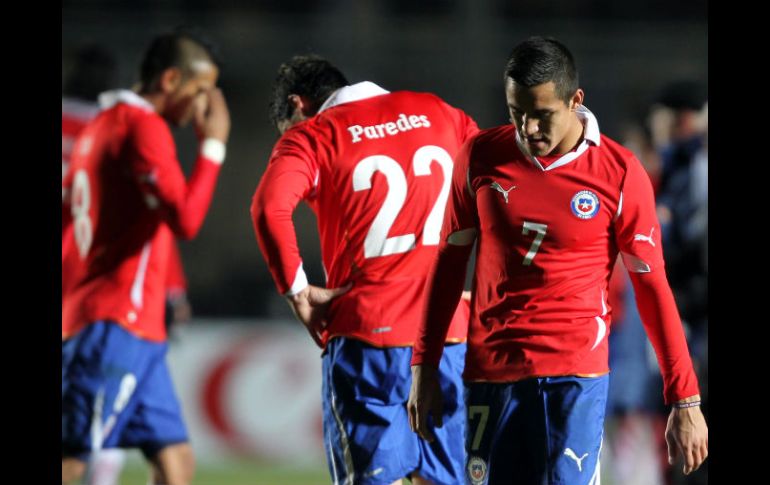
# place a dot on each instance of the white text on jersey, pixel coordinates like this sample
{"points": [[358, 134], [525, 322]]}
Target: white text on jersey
{"points": [[402, 124]]}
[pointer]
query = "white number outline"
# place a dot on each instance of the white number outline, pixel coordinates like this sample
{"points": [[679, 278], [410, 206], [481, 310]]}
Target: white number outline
{"points": [[377, 243], [81, 204], [541, 230], [484, 412]]}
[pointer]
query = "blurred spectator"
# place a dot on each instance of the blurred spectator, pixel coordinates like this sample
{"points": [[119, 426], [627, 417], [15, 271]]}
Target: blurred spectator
{"points": [[635, 449], [679, 123]]}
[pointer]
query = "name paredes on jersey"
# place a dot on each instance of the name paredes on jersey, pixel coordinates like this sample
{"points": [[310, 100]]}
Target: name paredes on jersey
{"points": [[402, 124]]}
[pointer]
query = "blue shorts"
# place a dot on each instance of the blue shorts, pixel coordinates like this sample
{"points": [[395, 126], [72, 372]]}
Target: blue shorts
{"points": [[535, 431], [366, 426], [117, 392]]}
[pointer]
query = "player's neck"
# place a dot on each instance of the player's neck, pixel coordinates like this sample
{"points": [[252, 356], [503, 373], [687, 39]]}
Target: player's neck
{"points": [[572, 139], [157, 100]]}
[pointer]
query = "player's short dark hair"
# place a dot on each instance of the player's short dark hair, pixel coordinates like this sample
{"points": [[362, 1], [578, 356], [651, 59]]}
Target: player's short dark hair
{"points": [[306, 75], [539, 60], [179, 48], [94, 70]]}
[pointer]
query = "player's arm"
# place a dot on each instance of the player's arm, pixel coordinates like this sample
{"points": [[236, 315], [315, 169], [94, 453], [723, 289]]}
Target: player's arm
{"points": [[183, 205], [176, 287], [638, 237], [445, 287], [290, 176]]}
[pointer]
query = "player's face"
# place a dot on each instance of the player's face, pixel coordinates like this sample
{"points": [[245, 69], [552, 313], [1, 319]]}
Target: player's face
{"points": [[190, 92], [541, 117]]}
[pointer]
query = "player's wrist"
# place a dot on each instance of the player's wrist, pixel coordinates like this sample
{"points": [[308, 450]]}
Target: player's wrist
{"points": [[213, 149], [296, 294]]}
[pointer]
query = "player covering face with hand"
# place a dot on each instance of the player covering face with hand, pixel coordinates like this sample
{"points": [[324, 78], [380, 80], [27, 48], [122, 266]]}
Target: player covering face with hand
{"points": [[128, 199]]}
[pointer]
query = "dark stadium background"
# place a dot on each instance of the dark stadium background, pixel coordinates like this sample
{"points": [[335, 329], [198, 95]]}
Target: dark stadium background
{"points": [[626, 52]]}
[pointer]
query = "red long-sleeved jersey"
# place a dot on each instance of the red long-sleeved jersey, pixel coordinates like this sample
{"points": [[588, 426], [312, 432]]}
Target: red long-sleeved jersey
{"points": [[128, 198], [549, 231], [375, 167]]}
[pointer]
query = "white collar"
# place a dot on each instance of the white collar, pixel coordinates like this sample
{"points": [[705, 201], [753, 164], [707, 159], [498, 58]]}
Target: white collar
{"points": [[588, 119], [354, 92], [590, 134], [108, 99], [79, 108]]}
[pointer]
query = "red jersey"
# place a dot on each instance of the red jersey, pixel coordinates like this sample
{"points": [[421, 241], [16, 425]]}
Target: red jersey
{"points": [[127, 194], [75, 114], [376, 169], [548, 237]]}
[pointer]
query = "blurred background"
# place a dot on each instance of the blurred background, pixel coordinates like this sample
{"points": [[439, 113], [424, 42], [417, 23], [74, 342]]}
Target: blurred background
{"points": [[248, 377]]}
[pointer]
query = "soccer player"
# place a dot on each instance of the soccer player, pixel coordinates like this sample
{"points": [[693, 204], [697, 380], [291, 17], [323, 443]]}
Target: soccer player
{"points": [[128, 198], [375, 167], [550, 201]]}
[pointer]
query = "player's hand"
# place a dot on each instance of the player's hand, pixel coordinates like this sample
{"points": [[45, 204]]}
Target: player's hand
{"points": [[687, 436], [466, 295], [425, 398], [310, 305], [181, 309], [212, 118]]}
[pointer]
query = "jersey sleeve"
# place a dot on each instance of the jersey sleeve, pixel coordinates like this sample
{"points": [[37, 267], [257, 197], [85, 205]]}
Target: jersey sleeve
{"points": [[637, 230], [291, 176], [465, 126], [637, 234], [447, 276], [460, 216], [182, 204]]}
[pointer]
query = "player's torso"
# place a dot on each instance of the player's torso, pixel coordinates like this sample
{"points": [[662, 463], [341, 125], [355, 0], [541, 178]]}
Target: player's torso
{"points": [[545, 233], [383, 184], [385, 171], [546, 246], [75, 116], [118, 241], [111, 218]]}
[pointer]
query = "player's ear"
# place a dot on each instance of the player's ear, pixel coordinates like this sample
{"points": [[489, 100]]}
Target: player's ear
{"points": [[301, 103], [577, 99], [170, 79]]}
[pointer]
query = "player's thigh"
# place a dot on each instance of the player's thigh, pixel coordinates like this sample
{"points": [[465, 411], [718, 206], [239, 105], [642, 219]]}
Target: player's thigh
{"points": [[575, 407], [366, 428], [505, 438], [102, 368], [157, 422]]}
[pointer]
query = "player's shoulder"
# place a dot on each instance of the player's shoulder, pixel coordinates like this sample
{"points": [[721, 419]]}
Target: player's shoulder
{"points": [[131, 108], [305, 137], [490, 140], [311, 129], [617, 154], [495, 134]]}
